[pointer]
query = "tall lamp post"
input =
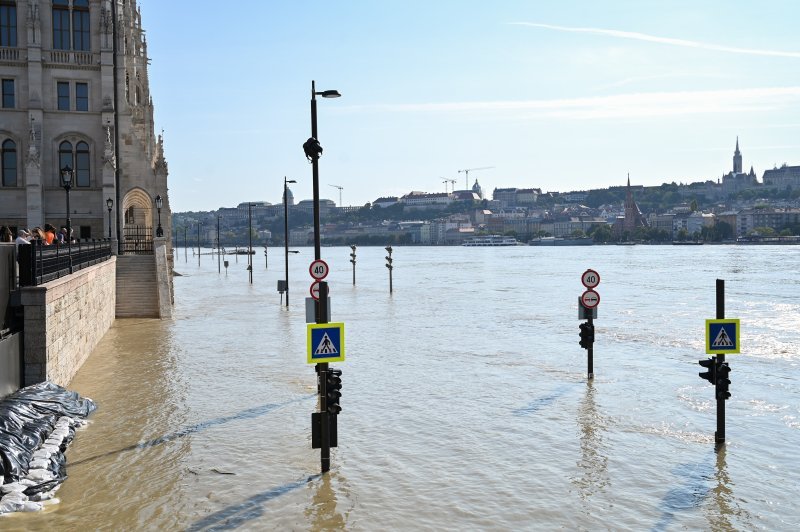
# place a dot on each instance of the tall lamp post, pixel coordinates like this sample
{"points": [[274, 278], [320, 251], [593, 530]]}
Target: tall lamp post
{"points": [[198, 243], [313, 151], [286, 232], [110, 205], [66, 182], [159, 204], [250, 241], [219, 269]]}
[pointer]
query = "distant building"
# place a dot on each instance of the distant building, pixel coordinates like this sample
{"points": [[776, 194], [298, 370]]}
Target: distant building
{"points": [[783, 177], [418, 199], [385, 202], [738, 181], [633, 216], [476, 188]]}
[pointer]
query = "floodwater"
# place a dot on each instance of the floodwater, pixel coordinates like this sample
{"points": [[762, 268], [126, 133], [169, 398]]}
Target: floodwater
{"points": [[465, 399]]}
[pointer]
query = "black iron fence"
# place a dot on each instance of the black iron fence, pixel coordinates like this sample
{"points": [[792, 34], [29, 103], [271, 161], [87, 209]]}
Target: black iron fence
{"points": [[39, 264], [138, 240]]}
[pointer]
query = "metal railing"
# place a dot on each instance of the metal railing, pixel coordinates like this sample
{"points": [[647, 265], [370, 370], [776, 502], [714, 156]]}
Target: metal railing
{"points": [[39, 264], [137, 240]]}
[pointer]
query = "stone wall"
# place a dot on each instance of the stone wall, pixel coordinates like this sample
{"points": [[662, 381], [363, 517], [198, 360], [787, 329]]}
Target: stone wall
{"points": [[64, 321]]}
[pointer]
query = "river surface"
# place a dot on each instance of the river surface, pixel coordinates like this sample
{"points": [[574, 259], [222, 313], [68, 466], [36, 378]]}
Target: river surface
{"points": [[466, 404]]}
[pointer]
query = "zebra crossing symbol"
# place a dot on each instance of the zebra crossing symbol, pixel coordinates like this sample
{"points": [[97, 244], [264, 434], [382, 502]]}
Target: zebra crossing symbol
{"points": [[325, 346], [722, 336], [325, 342]]}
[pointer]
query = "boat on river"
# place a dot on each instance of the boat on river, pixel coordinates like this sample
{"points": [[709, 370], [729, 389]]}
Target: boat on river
{"points": [[490, 241], [559, 241]]}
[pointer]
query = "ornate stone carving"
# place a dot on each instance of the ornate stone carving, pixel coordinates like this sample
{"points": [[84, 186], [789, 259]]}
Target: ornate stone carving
{"points": [[33, 158], [109, 158]]}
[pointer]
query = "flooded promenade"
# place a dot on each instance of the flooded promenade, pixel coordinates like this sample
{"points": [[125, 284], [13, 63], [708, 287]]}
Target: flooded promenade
{"points": [[465, 400]]}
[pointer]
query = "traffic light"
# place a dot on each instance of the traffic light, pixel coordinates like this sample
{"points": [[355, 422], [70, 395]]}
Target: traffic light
{"points": [[353, 254], [723, 382], [333, 386], [389, 257], [711, 374], [587, 335]]}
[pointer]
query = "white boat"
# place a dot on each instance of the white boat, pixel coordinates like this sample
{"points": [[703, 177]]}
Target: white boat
{"points": [[490, 240]]}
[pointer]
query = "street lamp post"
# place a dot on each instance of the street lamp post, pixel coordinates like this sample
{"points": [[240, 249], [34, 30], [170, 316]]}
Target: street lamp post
{"points": [[159, 204], [313, 151], [250, 240], [110, 205], [219, 268], [66, 182], [286, 233], [185, 245], [198, 243]]}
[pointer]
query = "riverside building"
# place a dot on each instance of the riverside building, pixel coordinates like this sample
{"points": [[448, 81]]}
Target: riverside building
{"points": [[75, 92]]}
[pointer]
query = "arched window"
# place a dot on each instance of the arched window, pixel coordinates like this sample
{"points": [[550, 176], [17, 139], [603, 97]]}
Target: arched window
{"points": [[71, 25], [77, 159], [82, 165], [129, 217], [65, 155], [8, 23], [8, 154]]}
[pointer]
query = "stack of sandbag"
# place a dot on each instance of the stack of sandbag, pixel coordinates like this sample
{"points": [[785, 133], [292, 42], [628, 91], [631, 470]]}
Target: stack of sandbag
{"points": [[37, 424]]}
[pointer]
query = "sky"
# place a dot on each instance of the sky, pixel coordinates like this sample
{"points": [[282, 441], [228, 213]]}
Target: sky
{"points": [[559, 95]]}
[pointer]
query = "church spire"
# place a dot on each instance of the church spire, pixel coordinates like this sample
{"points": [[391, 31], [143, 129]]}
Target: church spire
{"points": [[737, 158]]}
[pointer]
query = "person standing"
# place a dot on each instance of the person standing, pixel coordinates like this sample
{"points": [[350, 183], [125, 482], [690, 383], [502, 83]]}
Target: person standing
{"points": [[49, 234]]}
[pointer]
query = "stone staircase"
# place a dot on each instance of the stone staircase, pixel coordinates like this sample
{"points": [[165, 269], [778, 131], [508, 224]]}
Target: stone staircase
{"points": [[137, 293]]}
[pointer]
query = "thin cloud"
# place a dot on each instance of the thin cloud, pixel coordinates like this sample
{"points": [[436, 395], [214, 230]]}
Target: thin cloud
{"points": [[633, 35], [635, 105]]}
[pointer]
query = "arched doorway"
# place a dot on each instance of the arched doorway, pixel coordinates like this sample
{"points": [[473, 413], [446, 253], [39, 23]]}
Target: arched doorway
{"points": [[137, 223]]}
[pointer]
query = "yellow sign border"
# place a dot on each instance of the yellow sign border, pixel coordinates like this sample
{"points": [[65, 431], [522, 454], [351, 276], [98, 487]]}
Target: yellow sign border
{"points": [[310, 348], [737, 346]]}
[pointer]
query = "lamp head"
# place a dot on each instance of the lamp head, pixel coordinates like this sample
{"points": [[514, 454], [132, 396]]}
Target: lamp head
{"points": [[109, 203], [159, 202], [66, 176], [330, 94]]}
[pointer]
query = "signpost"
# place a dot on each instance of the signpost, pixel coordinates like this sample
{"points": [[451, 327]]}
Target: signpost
{"points": [[590, 299], [319, 269], [588, 303], [590, 279]]}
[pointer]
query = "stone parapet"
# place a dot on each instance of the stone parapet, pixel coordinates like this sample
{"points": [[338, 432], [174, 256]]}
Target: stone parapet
{"points": [[64, 321]]}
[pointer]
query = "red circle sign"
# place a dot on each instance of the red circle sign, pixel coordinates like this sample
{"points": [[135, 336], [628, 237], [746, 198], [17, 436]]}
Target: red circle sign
{"points": [[319, 269], [590, 299], [590, 278], [314, 290]]}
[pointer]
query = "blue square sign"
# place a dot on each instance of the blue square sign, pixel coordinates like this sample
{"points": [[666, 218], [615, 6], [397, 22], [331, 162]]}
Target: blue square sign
{"points": [[722, 336], [325, 342]]}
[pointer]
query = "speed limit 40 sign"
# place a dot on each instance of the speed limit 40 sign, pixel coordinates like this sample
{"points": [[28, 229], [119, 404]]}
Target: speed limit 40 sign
{"points": [[590, 279], [318, 269]]}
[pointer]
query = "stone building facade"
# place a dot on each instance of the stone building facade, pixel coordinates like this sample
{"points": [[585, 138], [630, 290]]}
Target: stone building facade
{"points": [[75, 92]]}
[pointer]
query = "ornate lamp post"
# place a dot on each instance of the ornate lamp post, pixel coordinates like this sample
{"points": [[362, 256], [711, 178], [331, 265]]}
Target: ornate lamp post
{"points": [[66, 182], [286, 232], [110, 205], [159, 204]]}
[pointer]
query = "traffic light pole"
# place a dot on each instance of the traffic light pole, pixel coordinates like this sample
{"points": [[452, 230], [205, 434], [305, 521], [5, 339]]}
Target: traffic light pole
{"points": [[325, 451], [719, 436], [590, 350]]}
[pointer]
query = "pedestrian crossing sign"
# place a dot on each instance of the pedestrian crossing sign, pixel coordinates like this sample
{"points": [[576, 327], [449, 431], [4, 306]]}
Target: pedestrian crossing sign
{"points": [[722, 336], [325, 342]]}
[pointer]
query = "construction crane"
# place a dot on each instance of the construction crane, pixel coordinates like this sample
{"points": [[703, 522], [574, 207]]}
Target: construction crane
{"points": [[340, 193], [445, 181], [468, 170]]}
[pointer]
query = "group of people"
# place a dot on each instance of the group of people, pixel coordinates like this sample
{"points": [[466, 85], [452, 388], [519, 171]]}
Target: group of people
{"points": [[47, 236]]}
